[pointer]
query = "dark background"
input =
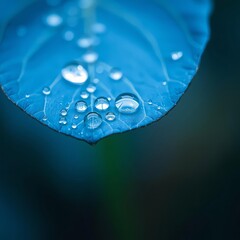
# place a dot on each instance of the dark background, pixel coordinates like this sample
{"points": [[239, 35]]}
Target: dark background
{"points": [[176, 179]]}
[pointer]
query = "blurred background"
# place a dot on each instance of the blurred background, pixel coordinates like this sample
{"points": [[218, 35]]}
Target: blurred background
{"points": [[176, 179]]}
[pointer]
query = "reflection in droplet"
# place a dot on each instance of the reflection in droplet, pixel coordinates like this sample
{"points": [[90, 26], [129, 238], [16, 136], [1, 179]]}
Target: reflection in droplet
{"points": [[177, 55], [45, 118], [116, 74], [81, 106], [90, 57], [101, 104], [27, 96], [76, 116], [91, 88], [46, 91], [93, 120], [127, 103], [75, 73], [110, 116], [64, 112], [63, 121], [150, 102], [54, 20], [84, 95]]}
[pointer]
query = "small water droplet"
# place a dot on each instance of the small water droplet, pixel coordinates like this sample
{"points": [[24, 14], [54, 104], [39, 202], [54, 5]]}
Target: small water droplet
{"points": [[177, 55], [96, 80], [164, 83], [110, 117], [64, 112], [159, 108], [90, 57], [75, 73], [74, 126], [54, 20], [63, 121], [81, 106], [93, 120], [150, 102], [45, 118], [127, 103], [101, 104], [109, 99], [84, 95], [85, 42], [46, 91], [69, 35], [99, 28], [91, 88], [27, 96], [76, 116], [116, 74]]}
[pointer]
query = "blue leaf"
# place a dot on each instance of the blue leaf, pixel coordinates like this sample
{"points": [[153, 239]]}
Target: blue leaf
{"points": [[91, 69]]}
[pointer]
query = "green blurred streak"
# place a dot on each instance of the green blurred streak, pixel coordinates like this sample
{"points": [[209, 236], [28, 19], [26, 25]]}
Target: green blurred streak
{"points": [[115, 155]]}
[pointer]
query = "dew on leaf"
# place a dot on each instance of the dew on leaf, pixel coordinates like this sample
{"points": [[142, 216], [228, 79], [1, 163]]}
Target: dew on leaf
{"points": [[64, 112], [110, 117], [84, 95], [46, 91], [127, 103], [63, 121], [177, 55], [101, 104], [90, 57], [93, 120], [91, 88], [115, 74], [75, 73], [81, 106]]}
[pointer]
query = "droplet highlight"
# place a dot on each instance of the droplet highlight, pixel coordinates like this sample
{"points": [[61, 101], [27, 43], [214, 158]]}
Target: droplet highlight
{"points": [[110, 117], [177, 55], [101, 104], [46, 91], [116, 74]]}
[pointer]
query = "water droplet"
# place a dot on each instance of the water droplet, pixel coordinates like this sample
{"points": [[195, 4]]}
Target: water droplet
{"points": [[96, 80], [164, 83], [159, 108], [46, 91], [84, 95], [116, 74], [85, 42], [109, 99], [68, 35], [127, 103], [27, 96], [90, 57], [91, 88], [93, 120], [74, 126], [177, 55], [150, 102], [63, 121], [45, 118], [81, 106], [101, 104], [110, 117], [76, 116], [75, 73], [64, 112], [54, 20], [99, 28]]}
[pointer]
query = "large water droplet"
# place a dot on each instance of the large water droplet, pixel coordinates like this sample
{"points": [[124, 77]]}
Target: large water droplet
{"points": [[46, 91], [81, 106], [127, 103], [54, 20], [75, 73], [110, 117], [177, 55], [116, 74], [93, 120], [101, 104]]}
